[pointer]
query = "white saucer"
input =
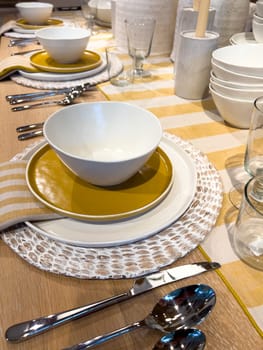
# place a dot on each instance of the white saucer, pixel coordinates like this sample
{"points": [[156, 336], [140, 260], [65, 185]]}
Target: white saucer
{"points": [[47, 76], [87, 234]]}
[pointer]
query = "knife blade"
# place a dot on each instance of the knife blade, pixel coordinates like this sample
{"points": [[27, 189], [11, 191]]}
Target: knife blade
{"points": [[25, 330]]}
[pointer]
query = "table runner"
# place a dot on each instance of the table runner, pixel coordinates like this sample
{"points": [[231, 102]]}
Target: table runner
{"points": [[199, 122]]}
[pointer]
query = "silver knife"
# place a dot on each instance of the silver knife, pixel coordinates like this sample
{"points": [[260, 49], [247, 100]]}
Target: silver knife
{"points": [[28, 329]]}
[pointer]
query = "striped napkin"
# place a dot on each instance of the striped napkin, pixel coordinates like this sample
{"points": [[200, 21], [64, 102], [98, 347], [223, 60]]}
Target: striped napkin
{"points": [[17, 204]]}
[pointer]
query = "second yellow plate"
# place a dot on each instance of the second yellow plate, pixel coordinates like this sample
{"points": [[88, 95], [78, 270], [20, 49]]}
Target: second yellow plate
{"points": [[58, 188], [43, 61], [21, 22]]}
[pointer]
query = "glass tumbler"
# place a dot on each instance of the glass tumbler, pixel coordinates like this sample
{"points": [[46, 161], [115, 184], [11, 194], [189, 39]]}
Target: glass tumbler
{"points": [[254, 150], [248, 230]]}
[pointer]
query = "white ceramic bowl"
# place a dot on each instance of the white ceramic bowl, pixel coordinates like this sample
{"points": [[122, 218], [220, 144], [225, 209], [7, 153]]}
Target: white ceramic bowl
{"points": [[64, 44], [257, 31], [257, 18], [235, 85], [104, 143], [102, 10], [246, 94], [236, 112], [242, 59], [259, 8], [35, 12], [227, 74]]}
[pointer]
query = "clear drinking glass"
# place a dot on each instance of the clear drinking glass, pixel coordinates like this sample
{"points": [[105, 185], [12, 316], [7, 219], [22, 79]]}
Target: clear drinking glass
{"points": [[253, 162], [88, 12], [140, 32], [248, 232], [118, 66], [254, 150]]}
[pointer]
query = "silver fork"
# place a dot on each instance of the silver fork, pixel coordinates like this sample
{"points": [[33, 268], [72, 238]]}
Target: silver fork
{"points": [[67, 100], [31, 96]]}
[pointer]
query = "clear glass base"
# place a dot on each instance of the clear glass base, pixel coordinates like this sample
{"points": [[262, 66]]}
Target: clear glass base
{"points": [[235, 194]]}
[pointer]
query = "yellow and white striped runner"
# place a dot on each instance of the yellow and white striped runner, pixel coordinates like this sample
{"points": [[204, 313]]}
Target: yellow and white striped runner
{"points": [[200, 123]]}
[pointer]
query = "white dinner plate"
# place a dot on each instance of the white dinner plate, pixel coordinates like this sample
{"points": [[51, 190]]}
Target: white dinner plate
{"points": [[88, 234], [48, 76], [23, 30]]}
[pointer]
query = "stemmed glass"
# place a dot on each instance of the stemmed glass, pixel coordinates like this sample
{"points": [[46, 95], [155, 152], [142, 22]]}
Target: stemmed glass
{"points": [[253, 162], [140, 32], [89, 13]]}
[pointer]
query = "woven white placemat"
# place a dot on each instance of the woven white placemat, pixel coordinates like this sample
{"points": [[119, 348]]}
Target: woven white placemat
{"points": [[135, 259]]}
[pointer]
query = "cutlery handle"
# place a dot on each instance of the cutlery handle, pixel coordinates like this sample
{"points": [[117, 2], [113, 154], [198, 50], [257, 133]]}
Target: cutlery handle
{"points": [[105, 337], [24, 52], [13, 99], [29, 127], [28, 329], [37, 96], [30, 135], [46, 103]]}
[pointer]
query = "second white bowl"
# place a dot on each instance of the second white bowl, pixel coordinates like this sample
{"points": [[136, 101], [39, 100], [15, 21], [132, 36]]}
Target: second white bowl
{"points": [[35, 12], [64, 44]]}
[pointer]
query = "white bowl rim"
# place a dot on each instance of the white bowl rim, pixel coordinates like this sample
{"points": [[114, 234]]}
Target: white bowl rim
{"points": [[33, 4], [229, 88], [233, 83], [103, 102], [241, 75], [230, 98], [230, 63], [48, 33]]}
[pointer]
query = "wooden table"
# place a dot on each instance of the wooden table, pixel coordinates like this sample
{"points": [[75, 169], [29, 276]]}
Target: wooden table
{"points": [[27, 293]]}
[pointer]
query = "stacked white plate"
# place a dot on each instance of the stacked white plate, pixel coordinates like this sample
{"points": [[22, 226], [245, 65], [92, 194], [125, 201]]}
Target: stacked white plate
{"points": [[236, 81], [163, 11]]}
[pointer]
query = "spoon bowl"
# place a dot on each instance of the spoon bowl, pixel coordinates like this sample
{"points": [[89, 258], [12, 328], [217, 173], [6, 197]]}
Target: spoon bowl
{"points": [[186, 339], [182, 308]]}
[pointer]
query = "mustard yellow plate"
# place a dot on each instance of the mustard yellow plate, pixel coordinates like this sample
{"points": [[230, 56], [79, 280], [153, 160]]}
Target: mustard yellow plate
{"points": [[58, 188], [43, 61], [22, 23]]}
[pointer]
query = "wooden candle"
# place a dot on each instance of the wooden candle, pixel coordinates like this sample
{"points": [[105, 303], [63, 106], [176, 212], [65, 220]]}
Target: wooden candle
{"points": [[202, 19]]}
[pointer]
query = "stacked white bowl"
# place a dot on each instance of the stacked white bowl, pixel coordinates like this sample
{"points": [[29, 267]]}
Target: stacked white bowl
{"points": [[236, 81], [257, 22]]}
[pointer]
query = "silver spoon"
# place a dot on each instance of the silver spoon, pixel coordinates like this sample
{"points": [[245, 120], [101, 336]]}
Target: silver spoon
{"points": [[182, 308], [183, 339], [67, 100]]}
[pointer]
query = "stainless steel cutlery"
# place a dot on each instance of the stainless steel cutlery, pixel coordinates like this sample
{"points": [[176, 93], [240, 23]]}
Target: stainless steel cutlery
{"points": [[29, 127], [67, 100], [30, 135], [28, 329], [31, 131], [31, 96]]}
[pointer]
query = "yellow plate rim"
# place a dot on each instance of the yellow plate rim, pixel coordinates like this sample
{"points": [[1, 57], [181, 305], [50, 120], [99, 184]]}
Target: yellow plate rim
{"points": [[21, 22], [104, 217], [65, 68]]}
